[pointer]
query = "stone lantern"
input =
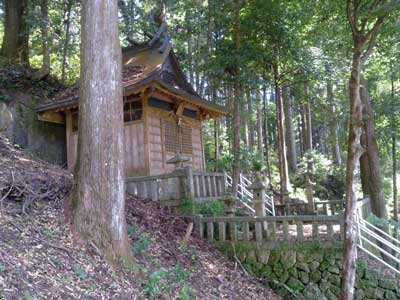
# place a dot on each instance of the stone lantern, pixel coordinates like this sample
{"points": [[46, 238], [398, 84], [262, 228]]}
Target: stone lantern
{"points": [[259, 197], [229, 205]]}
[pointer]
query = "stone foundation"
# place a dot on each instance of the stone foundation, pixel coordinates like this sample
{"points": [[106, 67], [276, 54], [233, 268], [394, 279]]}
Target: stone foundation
{"points": [[309, 270]]}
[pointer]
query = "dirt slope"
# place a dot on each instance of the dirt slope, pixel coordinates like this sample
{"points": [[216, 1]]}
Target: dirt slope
{"points": [[40, 257]]}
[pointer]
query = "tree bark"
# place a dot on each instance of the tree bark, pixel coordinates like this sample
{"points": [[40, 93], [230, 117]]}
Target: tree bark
{"points": [[334, 137], [244, 117], [45, 34], [15, 47], [259, 126], [394, 174], [99, 191], [394, 158], [249, 118], [308, 150], [364, 41], [67, 34], [237, 94], [354, 153], [371, 176], [283, 170], [266, 141], [289, 129], [45, 69], [303, 131]]}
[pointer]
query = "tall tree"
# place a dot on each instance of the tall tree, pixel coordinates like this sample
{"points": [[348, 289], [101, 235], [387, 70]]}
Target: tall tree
{"points": [[237, 96], [370, 164], [45, 34], [45, 69], [283, 169], [289, 129], [394, 155], [99, 192], [333, 127], [67, 22], [365, 25], [15, 47]]}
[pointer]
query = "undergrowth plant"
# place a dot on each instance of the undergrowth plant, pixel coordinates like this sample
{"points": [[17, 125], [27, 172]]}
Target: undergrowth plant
{"points": [[165, 280]]}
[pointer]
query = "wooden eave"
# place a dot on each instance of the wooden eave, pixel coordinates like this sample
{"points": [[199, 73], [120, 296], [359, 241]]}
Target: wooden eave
{"points": [[212, 109]]}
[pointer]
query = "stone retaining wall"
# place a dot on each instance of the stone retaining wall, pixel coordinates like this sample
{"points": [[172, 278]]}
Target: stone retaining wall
{"points": [[309, 270]]}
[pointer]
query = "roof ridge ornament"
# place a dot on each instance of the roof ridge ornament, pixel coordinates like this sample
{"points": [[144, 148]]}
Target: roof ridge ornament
{"points": [[161, 35]]}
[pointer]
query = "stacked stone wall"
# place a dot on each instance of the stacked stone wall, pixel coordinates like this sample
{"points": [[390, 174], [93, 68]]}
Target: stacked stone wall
{"points": [[309, 270]]}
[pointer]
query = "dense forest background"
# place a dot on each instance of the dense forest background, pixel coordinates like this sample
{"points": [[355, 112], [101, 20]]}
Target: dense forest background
{"points": [[241, 54]]}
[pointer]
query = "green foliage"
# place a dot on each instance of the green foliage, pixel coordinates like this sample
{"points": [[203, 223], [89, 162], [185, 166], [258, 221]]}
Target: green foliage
{"points": [[207, 209], [141, 245], [164, 281], [29, 296], [185, 292], [80, 271], [49, 234], [210, 209], [386, 224], [133, 229], [328, 177], [4, 98]]}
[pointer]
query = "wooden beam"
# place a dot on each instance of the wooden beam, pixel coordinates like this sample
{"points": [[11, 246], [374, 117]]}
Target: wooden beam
{"points": [[52, 117], [179, 110]]}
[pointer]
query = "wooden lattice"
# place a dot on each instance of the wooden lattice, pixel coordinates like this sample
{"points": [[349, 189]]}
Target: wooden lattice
{"points": [[187, 146], [170, 136], [173, 141]]}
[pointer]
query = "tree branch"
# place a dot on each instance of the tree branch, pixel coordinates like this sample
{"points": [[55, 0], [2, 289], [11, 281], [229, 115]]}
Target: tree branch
{"points": [[371, 38], [350, 18]]}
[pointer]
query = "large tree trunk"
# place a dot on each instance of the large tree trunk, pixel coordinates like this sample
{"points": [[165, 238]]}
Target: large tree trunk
{"points": [[334, 138], [99, 192], [354, 153], [363, 44], [236, 103], [283, 170], [250, 127], [308, 150], [45, 34], [394, 158], [371, 177], [68, 9], [15, 47], [244, 117], [394, 174], [259, 126], [303, 131], [266, 141], [289, 129], [45, 69]]}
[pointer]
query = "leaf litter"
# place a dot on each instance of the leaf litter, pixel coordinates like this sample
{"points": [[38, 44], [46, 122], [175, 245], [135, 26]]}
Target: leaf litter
{"points": [[41, 257]]}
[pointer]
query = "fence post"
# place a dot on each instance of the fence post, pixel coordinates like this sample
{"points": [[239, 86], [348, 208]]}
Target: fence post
{"points": [[188, 182]]}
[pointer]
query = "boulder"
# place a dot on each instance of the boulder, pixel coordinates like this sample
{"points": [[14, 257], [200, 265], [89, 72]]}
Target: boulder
{"points": [[388, 284], [288, 259], [312, 292], [295, 284], [6, 118]]}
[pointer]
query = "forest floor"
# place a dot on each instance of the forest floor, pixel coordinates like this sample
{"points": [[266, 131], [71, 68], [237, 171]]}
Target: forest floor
{"points": [[41, 257]]}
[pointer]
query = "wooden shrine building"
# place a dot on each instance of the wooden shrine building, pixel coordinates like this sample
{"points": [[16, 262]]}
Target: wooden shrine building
{"points": [[162, 113]]}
